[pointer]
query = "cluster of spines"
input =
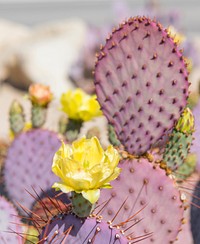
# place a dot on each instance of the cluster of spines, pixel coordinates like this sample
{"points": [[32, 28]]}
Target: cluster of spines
{"points": [[95, 225]]}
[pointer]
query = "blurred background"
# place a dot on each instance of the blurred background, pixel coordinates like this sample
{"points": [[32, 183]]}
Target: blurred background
{"points": [[54, 42], [100, 12]]}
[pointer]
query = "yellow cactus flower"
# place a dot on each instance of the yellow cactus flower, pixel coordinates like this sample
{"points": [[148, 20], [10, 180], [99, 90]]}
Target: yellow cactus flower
{"points": [[40, 94], [80, 106], [186, 123], [85, 167]]}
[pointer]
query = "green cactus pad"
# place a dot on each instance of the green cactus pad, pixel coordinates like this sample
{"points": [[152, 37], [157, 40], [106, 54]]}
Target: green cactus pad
{"points": [[81, 206], [38, 116], [73, 129], [17, 118], [177, 149], [112, 136]]}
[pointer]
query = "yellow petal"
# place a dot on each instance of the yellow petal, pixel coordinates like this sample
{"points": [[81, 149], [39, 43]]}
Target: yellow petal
{"points": [[94, 153], [113, 156], [110, 177], [61, 186], [80, 106], [91, 195]]}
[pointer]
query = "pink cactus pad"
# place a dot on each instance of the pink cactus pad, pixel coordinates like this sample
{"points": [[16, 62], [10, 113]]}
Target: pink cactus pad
{"points": [[9, 223], [151, 193], [69, 229], [28, 165], [141, 82]]}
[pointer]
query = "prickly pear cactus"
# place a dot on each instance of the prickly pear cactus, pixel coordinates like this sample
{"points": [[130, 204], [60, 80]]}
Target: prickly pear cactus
{"points": [[38, 116], [54, 206], [28, 165], [17, 117], [150, 196], [141, 82], [69, 229], [180, 141], [40, 97], [112, 136], [81, 207], [10, 223]]}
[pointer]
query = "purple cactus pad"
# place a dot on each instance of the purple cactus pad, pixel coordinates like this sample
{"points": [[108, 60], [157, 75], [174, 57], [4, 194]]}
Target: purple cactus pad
{"points": [[10, 223], [152, 198], [141, 83], [28, 165], [69, 229]]}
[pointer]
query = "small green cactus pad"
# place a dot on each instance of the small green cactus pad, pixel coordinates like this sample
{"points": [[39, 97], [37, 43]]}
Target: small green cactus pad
{"points": [[177, 149], [17, 118], [81, 207], [62, 124], [38, 116], [112, 136], [73, 129]]}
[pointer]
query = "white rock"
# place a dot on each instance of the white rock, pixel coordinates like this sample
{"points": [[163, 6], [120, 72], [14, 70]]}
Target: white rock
{"points": [[48, 55], [11, 35]]}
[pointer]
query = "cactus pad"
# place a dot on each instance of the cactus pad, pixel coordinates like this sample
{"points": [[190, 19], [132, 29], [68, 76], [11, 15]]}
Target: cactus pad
{"points": [[69, 229], [38, 116], [28, 165], [112, 136], [177, 149], [53, 207], [9, 223], [146, 187], [141, 82], [81, 207], [17, 117]]}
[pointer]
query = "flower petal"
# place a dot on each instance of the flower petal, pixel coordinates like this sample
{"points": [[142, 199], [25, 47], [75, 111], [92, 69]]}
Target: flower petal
{"points": [[91, 195], [61, 186]]}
